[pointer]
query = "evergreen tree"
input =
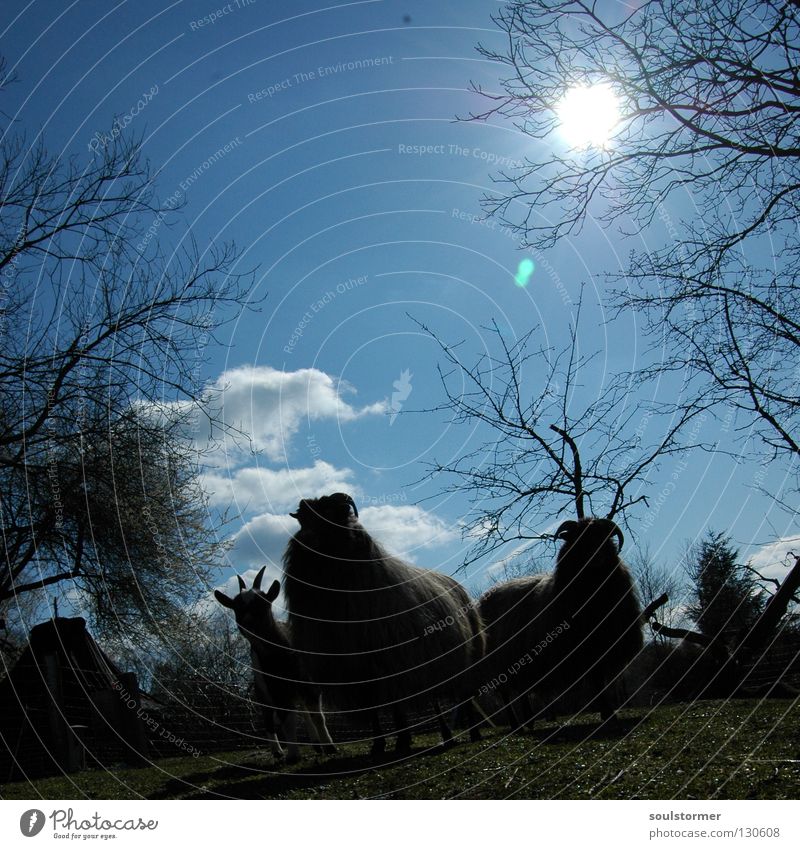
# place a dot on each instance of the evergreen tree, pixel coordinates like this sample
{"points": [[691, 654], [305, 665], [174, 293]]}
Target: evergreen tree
{"points": [[725, 598]]}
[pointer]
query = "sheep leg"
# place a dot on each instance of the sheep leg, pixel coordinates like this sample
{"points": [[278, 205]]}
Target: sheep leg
{"points": [[378, 738], [277, 750], [518, 710], [402, 745], [542, 709], [473, 712], [511, 715], [315, 717], [287, 722], [271, 716], [444, 728], [473, 715], [271, 734], [480, 716], [608, 703], [526, 711]]}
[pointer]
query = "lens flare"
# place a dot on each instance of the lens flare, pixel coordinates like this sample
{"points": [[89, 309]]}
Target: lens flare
{"points": [[524, 272]]}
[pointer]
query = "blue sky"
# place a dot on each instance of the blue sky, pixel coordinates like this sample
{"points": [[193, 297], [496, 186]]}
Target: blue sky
{"points": [[321, 138]]}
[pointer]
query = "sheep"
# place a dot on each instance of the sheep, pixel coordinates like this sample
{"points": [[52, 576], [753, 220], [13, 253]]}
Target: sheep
{"points": [[281, 681], [580, 624], [377, 631]]}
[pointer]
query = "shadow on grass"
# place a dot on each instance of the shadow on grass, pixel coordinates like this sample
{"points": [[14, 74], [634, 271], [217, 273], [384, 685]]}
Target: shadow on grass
{"points": [[259, 778], [584, 731]]}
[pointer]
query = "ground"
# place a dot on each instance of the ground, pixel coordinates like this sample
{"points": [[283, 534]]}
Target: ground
{"points": [[740, 749]]}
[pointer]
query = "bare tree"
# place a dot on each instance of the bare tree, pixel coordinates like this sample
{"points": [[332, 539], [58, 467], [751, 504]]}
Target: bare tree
{"points": [[657, 582], [710, 99], [552, 442], [201, 661], [769, 586], [103, 337]]}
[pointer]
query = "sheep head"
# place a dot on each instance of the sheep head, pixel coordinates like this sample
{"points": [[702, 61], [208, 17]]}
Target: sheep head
{"points": [[589, 535], [321, 514]]}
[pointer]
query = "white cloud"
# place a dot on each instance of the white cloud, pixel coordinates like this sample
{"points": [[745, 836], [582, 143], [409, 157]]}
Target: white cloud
{"points": [[497, 569], [269, 405], [403, 530], [773, 560], [276, 490], [262, 539]]}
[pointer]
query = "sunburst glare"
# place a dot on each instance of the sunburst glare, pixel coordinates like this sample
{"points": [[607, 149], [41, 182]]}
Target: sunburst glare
{"points": [[588, 115]]}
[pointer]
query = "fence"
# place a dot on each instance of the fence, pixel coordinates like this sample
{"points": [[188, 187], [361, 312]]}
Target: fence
{"points": [[75, 720]]}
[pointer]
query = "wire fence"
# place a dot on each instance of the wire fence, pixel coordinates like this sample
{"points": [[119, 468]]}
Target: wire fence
{"points": [[84, 725]]}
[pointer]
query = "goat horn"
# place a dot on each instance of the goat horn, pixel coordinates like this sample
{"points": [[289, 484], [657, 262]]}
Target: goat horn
{"points": [[223, 599], [614, 530], [242, 584], [259, 576], [348, 499]]}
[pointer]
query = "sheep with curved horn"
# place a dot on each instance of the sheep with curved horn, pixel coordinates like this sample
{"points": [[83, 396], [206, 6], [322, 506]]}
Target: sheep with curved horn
{"points": [[579, 624], [281, 682], [376, 631]]}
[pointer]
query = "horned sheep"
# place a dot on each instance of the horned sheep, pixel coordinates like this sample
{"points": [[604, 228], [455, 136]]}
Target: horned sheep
{"points": [[377, 632], [580, 624]]}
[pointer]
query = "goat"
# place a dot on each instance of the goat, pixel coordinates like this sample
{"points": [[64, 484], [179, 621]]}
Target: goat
{"points": [[579, 624], [377, 632], [281, 681]]}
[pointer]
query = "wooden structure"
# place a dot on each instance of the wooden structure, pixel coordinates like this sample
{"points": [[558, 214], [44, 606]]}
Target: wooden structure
{"points": [[66, 704]]}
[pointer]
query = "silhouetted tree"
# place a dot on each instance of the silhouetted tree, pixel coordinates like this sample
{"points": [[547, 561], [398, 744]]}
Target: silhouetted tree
{"points": [[201, 661], [550, 446], [102, 338], [656, 581], [725, 598], [709, 95]]}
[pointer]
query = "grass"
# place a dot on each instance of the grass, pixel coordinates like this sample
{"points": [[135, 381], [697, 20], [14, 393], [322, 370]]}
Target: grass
{"points": [[740, 749]]}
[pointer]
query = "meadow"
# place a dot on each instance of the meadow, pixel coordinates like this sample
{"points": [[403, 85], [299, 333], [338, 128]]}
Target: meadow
{"points": [[736, 749]]}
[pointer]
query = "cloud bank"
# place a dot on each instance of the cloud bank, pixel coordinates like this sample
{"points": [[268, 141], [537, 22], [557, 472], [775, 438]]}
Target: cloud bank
{"points": [[269, 405]]}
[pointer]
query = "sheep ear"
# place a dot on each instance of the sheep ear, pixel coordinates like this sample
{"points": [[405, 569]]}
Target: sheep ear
{"points": [[273, 591], [259, 576], [242, 585], [223, 599]]}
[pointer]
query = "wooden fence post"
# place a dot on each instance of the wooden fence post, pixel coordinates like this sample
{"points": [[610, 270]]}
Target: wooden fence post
{"points": [[67, 748], [132, 726]]}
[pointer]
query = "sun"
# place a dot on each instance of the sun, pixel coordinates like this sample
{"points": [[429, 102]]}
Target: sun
{"points": [[588, 115]]}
